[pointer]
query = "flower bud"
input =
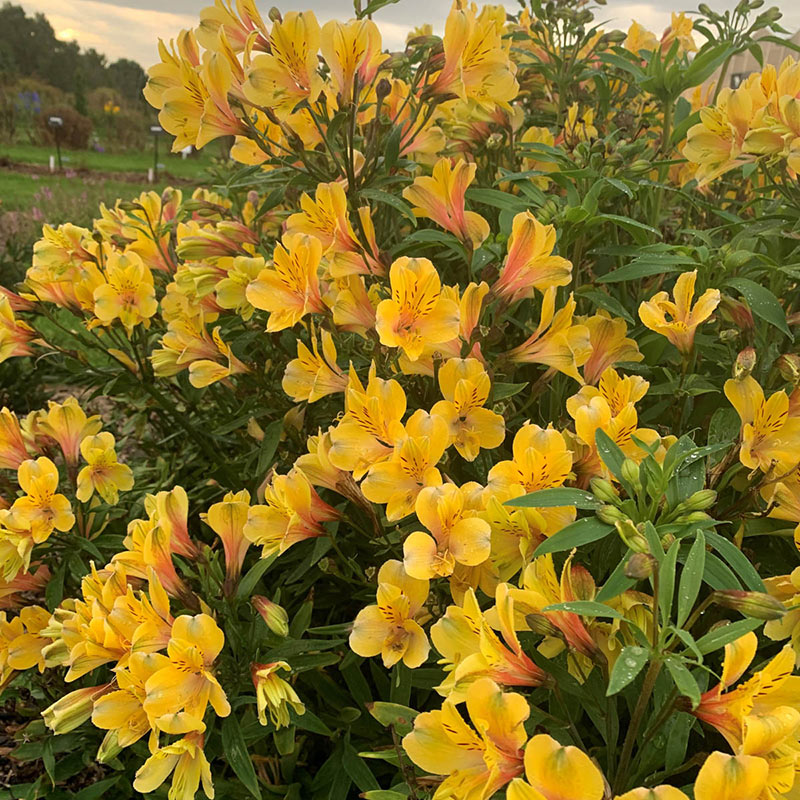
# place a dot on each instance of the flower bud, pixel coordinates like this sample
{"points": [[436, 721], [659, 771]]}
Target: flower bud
{"points": [[751, 604], [73, 709], [109, 748], [630, 473], [640, 566], [789, 366], [604, 490], [274, 615], [632, 536], [695, 516], [745, 362], [274, 14], [700, 500], [382, 89], [737, 312], [609, 514]]}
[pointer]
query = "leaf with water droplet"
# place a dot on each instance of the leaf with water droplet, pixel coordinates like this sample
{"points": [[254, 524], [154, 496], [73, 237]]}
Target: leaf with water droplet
{"points": [[627, 666]]}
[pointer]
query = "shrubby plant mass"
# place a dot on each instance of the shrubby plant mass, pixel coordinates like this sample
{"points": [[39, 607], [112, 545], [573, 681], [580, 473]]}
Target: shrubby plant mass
{"points": [[447, 447]]}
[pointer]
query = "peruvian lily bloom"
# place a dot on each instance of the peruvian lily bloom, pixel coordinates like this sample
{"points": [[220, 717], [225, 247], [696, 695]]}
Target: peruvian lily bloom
{"points": [[21, 643], [609, 343], [411, 467], [13, 450], [556, 342], [171, 510], [290, 288], [770, 431], [738, 777], [288, 73], [677, 320], [418, 313], [127, 294], [389, 628], [227, 519], [41, 509], [204, 372], [68, 425], [351, 49], [457, 535], [103, 473], [314, 373], [14, 333], [557, 772], [530, 263], [187, 760], [371, 425], [440, 197], [663, 792], [274, 694], [465, 387], [183, 682], [477, 761], [471, 649], [292, 512]]}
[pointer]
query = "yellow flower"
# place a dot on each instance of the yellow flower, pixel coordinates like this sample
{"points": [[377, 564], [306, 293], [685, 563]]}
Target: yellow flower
{"points": [[127, 293], [724, 777], [609, 344], [536, 159], [465, 387], [418, 313], [68, 425], [411, 466], [274, 694], [556, 342], [557, 772], [21, 642], [389, 629], [639, 38], [680, 30], [14, 333], [663, 792], [289, 289], [13, 449], [440, 197], [292, 512], [103, 472], [351, 49], [231, 291], [41, 509], [530, 263], [457, 534], [678, 320], [183, 683], [770, 431], [227, 519], [73, 709], [288, 73], [479, 760], [191, 768], [314, 374], [579, 126]]}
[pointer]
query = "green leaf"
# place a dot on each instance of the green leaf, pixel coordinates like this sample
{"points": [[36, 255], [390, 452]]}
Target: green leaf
{"points": [[497, 199], [384, 794], [397, 203], [235, 750], [359, 772], [583, 531], [248, 583], [617, 582], [684, 681], [763, 303], [586, 608], [269, 445], [500, 391], [610, 452], [691, 578], [402, 717], [555, 498], [666, 581], [627, 666], [96, 790], [606, 301], [738, 561], [636, 270], [725, 634]]}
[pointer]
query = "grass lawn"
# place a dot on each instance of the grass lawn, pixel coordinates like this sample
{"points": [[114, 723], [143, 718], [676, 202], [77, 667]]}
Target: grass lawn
{"points": [[189, 168]]}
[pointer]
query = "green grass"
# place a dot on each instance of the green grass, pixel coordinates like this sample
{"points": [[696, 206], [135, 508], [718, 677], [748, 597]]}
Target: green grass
{"points": [[189, 169]]}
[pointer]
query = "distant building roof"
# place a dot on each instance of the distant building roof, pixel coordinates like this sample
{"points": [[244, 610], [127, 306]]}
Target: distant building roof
{"points": [[744, 64]]}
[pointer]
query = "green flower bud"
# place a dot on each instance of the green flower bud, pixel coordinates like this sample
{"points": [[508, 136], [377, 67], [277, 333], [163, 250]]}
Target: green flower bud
{"points": [[274, 615], [640, 566], [604, 490], [630, 473], [701, 500], [632, 536], [609, 514], [751, 604]]}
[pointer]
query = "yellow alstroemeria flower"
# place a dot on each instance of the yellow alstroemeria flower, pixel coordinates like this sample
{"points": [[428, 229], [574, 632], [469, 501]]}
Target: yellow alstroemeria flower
{"points": [[292, 512], [231, 291], [579, 126], [530, 263], [68, 425], [663, 792], [289, 289], [457, 535], [274, 694], [21, 643], [288, 73], [351, 49], [14, 333], [314, 373], [477, 761], [677, 320], [465, 387], [557, 772], [440, 197], [471, 649], [726, 777], [128, 293], [418, 312], [103, 472], [13, 449], [639, 38], [770, 431], [557, 342], [371, 425], [680, 29], [186, 759], [227, 519], [609, 343], [41, 509], [183, 682], [388, 628], [411, 466], [537, 160]]}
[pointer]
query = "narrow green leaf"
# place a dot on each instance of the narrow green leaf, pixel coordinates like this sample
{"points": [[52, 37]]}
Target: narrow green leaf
{"points": [[359, 772], [554, 498], [610, 452], [397, 203], [402, 717], [738, 561], [235, 748], [684, 681], [691, 578], [500, 391], [586, 608], [763, 303], [581, 532], [269, 445], [666, 581], [721, 636], [248, 583], [628, 665]]}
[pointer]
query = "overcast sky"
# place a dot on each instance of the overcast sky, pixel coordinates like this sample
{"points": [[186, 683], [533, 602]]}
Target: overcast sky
{"points": [[131, 28]]}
